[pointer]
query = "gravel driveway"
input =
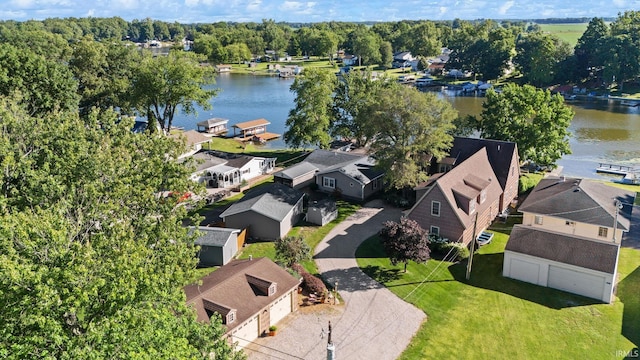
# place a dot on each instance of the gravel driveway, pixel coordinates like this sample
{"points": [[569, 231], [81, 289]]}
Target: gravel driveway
{"points": [[373, 323]]}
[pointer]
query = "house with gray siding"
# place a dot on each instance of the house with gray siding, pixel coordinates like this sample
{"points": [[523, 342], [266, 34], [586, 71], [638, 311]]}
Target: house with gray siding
{"points": [[217, 245], [353, 176], [267, 212]]}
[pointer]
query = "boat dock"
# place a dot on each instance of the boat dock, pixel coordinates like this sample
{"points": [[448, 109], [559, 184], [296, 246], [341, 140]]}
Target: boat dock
{"points": [[254, 130], [630, 174]]}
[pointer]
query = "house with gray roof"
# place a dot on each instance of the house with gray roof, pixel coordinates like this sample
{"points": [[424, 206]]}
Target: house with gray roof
{"points": [[570, 236], [217, 169], [267, 212], [250, 295], [353, 176], [217, 245]]}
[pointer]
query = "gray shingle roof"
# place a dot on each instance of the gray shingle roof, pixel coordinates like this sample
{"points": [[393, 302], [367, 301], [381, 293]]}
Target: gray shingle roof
{"points": [[229, 286], [580, 200], [322, 161], [214, 236], [274, 201], [500, 154], [296, 170], [564, 248]]}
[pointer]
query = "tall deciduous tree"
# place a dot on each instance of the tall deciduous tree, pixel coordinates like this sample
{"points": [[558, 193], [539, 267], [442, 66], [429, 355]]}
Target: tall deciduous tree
{"points": [[162, 84], [309, 120], [409, 123], [45, 85], [538, 55], [405, 241], [534, 119], [93, 259]]}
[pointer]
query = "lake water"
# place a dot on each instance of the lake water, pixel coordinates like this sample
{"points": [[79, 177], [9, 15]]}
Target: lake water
{"points": [[601, 131]]}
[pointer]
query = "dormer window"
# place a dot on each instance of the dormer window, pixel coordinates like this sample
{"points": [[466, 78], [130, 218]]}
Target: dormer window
{"points": [[472, 206], [483, 196], [231, 317], [272, 289]]}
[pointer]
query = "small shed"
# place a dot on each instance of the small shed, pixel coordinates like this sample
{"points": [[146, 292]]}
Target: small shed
{"points": [[218, 245], [322, 212]]}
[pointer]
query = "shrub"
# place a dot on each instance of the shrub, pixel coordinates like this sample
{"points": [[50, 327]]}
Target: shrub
{"points": [[460, 251], [527, 183], [273, 328], [311, 283]]}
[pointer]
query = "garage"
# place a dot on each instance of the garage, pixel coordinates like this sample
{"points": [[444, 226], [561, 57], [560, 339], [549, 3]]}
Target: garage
{"points": [[576, 282], [280, 309], [246, 332], [525, 271]]}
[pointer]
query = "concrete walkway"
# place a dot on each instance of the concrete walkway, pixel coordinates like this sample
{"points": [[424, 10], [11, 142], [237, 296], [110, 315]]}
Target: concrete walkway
{"points": [[373, 323]]}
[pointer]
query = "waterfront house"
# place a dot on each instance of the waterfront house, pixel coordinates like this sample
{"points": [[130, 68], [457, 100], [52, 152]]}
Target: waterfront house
{"points": [[267, 212], [570, 236], [503, 157], [222, 68], [250, 295], [350, 175], [464, 199], [217, 169], [193, 139]]}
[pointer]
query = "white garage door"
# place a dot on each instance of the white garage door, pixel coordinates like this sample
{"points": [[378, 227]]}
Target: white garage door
{"points": [[280, 309], [576, 282], [524, 271], [246, 333]]}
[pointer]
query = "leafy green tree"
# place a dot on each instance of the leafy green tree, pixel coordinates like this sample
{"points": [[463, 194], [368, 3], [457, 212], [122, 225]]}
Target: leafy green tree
{"points": [[163, 84], [238, 52], [425, 41], [353, 100], [309, 120], [365, 44], [291, 250], [45, 85], [386, 54], [534, 119], [589, 50], [538, 55], [93, 259], [407, 124], [405, 241], [211, 48], [103, 71]]}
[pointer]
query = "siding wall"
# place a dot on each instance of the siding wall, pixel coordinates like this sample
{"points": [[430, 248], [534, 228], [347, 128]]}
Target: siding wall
{"points": [[579, 229], [511, 186], [258, 226], [448, 222]]}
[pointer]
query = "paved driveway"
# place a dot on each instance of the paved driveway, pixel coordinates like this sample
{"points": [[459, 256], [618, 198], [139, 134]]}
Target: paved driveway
{"points": [[373, 323]]}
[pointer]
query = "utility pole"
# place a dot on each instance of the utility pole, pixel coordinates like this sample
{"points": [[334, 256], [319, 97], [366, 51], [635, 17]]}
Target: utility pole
{"points": [[473, 247], [331, 349]]}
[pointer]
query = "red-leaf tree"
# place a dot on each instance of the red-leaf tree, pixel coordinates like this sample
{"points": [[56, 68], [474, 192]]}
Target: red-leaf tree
{"points": [[405, 241]]}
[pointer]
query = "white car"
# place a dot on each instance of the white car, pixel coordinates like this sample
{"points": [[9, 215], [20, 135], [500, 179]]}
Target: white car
{"points": [[484, 238]]}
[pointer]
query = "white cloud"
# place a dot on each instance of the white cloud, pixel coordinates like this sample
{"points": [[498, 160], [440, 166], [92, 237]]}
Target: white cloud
{"points": [[124, 4], [620, 3], [22, 4], [254, 5], [502, 10]]}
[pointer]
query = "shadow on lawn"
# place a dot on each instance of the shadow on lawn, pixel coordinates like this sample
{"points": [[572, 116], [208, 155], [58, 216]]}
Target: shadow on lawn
{"points": [[486, 273], [628, 292]]}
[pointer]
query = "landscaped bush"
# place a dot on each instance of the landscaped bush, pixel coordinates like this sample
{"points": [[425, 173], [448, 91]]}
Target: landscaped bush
{"points": [[310, 283], [442, 246], [527, 182]]}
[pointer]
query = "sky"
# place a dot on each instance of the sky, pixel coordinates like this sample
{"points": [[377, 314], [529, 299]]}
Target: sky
{"points": [[207, 11]]}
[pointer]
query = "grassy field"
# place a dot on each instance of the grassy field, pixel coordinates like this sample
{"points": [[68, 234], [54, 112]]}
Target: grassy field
{"points": [[492, 317], [567, 32]]}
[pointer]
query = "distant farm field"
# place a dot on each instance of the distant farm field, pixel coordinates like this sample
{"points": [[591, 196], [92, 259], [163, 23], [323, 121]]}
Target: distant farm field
{"points": [[567, 32]]}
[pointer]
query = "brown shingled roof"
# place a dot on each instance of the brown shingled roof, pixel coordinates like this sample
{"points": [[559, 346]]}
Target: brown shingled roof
{"points": [[564, 248], [228, 287], [251, 124]]}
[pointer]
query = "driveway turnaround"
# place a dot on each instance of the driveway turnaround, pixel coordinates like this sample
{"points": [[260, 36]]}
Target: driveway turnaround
{"points": [[373, 323]]}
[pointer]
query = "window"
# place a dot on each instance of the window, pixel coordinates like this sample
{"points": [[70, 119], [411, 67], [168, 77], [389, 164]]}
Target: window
{"points": [[472, 206], [231, 317], [434, 230], [483, 196], [375, 183], [538, 220], [570, 223], [435, 208], [602, 231], [329, 182]]}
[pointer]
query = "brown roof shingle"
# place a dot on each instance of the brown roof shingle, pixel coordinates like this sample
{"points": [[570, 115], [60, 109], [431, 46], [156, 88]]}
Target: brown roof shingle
{"points": [[563, 248], [228, 286], [251, 124]]}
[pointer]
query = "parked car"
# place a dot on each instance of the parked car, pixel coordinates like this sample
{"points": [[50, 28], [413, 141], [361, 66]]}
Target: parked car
{"points": [[484, 238]]}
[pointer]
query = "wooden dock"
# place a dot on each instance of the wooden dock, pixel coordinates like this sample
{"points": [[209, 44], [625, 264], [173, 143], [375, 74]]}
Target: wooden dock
{"points": [[630, 174], [265, 136]]}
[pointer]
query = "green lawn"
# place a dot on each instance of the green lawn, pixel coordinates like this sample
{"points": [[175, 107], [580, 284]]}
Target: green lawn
{"points": [[492, 317], [567, 32]]}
